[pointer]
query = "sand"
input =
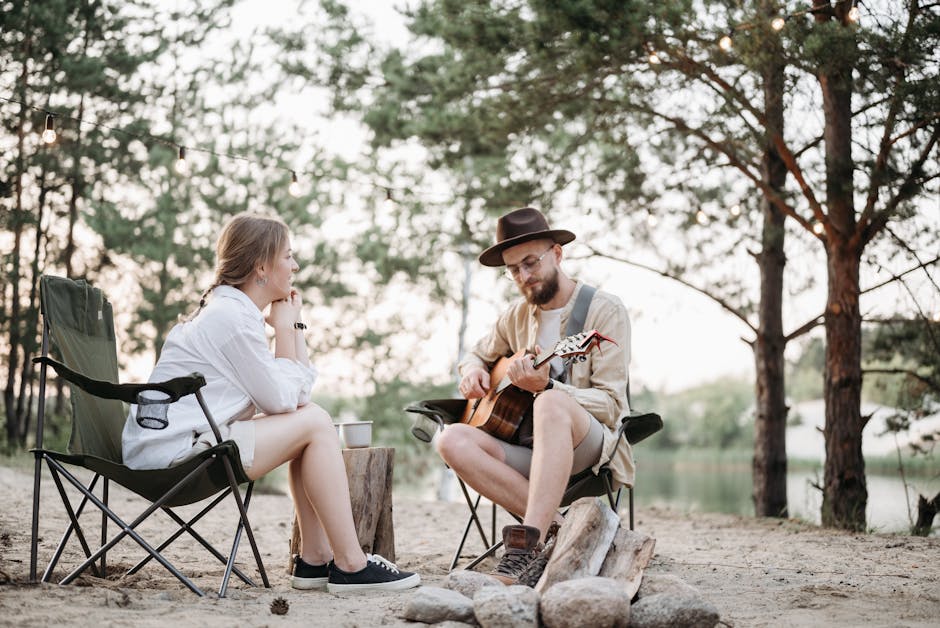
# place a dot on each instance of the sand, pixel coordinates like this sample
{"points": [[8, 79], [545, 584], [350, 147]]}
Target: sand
{"points": [[756, 572]]}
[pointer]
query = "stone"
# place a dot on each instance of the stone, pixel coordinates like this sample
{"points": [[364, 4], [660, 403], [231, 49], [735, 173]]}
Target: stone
{"points": [[515, 606], [435, 604], [469, 582], [596, 602], [664, 610], [666, 583]]}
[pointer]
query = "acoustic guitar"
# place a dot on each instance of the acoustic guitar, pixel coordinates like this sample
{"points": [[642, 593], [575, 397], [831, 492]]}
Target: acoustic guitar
{"points": [[501, 411]]}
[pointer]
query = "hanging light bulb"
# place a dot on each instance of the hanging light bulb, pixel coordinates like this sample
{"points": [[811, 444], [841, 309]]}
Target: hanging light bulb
{"points": [[388, 204], [49, 134], [854, 14], [294, 188], [181, 166], [652, 220], [735, 210], [818, 228], [725, 43], [701, 217], [778, 23], [654, 58]]}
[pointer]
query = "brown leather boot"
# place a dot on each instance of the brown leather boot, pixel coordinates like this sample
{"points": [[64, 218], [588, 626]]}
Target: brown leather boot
{"points": [[522, 546]]}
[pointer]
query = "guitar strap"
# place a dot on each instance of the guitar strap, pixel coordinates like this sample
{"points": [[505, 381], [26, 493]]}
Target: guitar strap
{"points": [[577, 318]]}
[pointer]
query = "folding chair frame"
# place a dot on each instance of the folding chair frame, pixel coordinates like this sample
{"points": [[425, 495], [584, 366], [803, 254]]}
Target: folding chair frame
{"points": [[58, 471]]}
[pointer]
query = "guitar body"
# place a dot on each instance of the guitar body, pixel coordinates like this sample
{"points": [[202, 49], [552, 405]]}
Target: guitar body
{"points": [[500, 412]]}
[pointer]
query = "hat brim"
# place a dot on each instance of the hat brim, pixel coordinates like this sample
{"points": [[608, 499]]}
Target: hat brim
{"points": [[493, 256]]}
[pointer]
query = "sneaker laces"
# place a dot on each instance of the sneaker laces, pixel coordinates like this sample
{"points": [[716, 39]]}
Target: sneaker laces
{"points": [[382, 562]]}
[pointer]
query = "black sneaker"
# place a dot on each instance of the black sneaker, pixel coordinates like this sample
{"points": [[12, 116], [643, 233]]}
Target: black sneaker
{"points": [[306, 576], [378, 575]]}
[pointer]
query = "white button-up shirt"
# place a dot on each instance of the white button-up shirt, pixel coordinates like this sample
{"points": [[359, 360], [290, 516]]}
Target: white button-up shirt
{"points": [[226, 342]]}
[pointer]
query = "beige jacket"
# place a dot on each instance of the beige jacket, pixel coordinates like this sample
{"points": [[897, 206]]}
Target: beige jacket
{"points": [[598, 384]]}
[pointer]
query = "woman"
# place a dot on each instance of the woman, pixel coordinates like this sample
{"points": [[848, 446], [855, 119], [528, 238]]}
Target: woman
{"points": [[261, 401]]}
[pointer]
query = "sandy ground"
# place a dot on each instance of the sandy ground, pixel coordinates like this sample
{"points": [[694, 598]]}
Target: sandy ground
{"points": [[756, 572]]}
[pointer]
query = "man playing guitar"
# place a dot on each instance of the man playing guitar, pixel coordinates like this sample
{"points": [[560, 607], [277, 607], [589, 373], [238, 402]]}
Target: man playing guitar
{"points": [[576, 408]]}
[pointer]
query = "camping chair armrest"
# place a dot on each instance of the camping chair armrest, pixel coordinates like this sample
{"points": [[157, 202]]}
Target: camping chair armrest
{"points": [[640, 426], [174, 388]]}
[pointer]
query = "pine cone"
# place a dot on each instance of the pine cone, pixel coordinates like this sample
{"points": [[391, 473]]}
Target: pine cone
{"points": [[279, 606]]}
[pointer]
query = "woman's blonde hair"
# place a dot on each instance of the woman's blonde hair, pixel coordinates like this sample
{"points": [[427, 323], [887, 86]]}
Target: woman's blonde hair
{"points": [[247, 241]]}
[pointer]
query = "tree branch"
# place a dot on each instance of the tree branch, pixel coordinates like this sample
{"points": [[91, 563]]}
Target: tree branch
{"points": [[930, 383], [737, 313]]}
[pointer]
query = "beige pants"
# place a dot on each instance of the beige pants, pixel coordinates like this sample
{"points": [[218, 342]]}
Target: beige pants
{"points": [[586, 454]]}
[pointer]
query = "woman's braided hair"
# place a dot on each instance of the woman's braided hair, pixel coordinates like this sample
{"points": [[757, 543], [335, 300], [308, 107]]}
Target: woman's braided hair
{"points": [[247, 241]]}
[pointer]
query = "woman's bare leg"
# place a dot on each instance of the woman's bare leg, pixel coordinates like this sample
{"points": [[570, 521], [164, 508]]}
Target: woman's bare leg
{"points": [[308, 438]]}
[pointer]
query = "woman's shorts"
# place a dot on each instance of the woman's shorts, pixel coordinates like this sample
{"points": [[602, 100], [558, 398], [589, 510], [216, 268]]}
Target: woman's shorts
{"points": [[586, 454], [241, 431]]}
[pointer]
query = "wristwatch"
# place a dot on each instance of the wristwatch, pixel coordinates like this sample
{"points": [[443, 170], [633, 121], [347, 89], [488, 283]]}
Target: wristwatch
{"points": [[549, 385], [299, 325]]}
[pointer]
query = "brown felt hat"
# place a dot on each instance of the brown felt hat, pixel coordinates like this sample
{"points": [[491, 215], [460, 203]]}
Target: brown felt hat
{"points": [[518, 226]]}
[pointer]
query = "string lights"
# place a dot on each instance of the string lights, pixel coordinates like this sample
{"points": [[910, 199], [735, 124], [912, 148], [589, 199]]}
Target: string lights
{"points": [[49, 135], [777, 23], [181, 165]]}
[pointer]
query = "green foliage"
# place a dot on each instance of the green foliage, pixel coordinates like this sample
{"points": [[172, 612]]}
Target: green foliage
{"points": [[716, 415]]}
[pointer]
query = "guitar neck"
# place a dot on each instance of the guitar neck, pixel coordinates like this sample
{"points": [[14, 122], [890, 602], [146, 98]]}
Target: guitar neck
{"points": [[542, 359]]}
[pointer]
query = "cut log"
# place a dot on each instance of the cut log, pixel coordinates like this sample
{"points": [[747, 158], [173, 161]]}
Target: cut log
{"points": [[582, 543], [628, 556], [369, 472]]}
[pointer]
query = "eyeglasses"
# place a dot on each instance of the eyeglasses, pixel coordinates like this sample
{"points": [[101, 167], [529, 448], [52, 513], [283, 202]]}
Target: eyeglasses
{"points": [[529, 264]]}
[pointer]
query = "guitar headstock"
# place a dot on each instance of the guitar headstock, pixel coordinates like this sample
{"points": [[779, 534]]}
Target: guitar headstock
{"points": [[579, 344]]}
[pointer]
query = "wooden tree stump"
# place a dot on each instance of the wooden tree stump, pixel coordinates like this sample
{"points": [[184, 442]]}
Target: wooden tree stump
{"points": [[369, 471]]}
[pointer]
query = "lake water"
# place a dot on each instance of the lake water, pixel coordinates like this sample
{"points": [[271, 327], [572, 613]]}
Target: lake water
{"points": [[705, 487], [713, 488]]}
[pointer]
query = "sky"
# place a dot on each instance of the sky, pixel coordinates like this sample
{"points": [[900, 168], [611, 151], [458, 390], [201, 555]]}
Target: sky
{"points": [[680, 337]]}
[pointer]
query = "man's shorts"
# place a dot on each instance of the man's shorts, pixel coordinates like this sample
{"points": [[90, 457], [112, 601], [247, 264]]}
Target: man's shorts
{"points": [[586, 454]]}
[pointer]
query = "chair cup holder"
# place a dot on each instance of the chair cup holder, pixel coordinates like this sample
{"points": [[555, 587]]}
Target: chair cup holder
{"points": [[152, 406]]}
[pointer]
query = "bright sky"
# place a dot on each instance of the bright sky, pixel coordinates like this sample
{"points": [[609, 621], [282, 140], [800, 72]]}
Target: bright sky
{"points": [[679, 337]]}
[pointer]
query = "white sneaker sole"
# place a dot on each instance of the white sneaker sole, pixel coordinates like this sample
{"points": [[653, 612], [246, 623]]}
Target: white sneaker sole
{"points": [[307, 584], [395, 585]]}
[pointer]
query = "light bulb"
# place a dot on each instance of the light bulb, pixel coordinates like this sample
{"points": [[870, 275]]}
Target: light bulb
{"points": [[49, 134], [818, 228], [725, 43], [388, 204], [778, 23], [701, 217], [181, 166], [652, 220], [853, 14], [735, 210], [294, 188], [654, 58]]}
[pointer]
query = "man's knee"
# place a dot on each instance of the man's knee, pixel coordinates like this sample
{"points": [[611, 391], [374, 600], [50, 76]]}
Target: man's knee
{"points": [[453, 440], [553, 406]]}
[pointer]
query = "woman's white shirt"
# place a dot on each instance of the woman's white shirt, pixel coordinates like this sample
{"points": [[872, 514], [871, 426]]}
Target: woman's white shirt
{"points": [[227, 344]]}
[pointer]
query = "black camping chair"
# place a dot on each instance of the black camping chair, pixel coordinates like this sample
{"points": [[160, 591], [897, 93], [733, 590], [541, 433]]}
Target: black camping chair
{"points": [[78, 319], [434, 414]]}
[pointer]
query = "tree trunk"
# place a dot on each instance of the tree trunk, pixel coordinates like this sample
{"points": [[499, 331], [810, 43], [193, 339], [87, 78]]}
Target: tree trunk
{"points": [[769, 475], [845, 495]]}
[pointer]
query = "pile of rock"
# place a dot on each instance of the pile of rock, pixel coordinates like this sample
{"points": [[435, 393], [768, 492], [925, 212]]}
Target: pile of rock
{"points": [[593, 578]]}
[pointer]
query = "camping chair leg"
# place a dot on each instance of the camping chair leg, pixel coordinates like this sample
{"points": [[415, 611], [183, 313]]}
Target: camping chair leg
{"points": [[187, 526], [492, 523], [34, 537], [473, 511], [630, 490], [230, 565], [463, 539], [104, 527], [243, 513], [489, 552], [73, 517], [128, 529]]}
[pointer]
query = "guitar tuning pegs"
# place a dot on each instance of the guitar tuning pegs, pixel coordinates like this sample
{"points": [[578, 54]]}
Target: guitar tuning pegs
{"points": [[582, 358]]}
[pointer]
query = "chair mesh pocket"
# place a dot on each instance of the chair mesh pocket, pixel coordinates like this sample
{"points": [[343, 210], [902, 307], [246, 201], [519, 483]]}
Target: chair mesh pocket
{"points": [[151, 409]]}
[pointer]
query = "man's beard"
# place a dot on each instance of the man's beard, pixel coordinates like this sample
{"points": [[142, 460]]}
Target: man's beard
{"points": [[545, 292]]}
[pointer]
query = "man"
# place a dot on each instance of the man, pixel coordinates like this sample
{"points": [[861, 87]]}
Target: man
{"points": [[576, 408]]}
